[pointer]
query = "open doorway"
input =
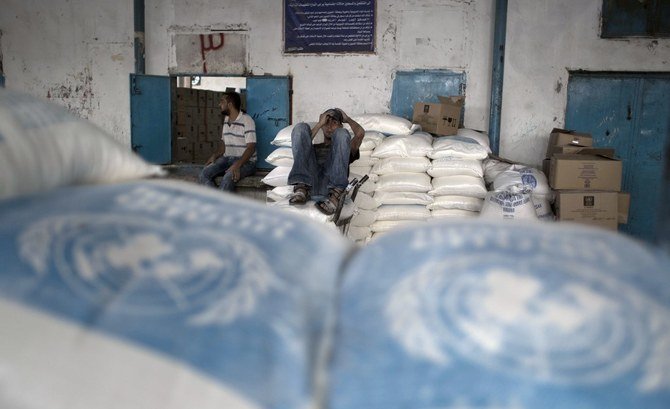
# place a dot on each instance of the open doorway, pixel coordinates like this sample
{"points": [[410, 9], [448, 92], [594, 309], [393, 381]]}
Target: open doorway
{"points": [[177, 119], [197, 122]]}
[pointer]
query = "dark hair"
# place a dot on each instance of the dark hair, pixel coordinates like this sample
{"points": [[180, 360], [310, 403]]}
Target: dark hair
{"points": [[233, 98], [336, 114]]}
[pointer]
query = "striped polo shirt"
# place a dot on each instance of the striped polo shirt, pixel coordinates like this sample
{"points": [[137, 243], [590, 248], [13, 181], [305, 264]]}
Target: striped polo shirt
{"points": [[237, 134]]}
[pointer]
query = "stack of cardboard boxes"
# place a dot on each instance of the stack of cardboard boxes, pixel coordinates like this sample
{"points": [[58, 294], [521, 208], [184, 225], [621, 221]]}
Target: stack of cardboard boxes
{"points": [[197, 121], [586, 180]]}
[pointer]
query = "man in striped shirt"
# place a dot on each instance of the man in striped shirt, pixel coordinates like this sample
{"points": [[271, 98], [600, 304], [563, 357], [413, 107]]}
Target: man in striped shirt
{"points": [[235, 157]]}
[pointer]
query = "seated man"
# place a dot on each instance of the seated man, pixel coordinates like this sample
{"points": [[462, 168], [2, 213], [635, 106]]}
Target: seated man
{"points": [[323, 168], [235, 157]]}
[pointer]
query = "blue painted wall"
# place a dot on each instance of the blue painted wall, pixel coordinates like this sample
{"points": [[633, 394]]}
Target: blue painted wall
{"points": [[631, 113], [410, 87]]}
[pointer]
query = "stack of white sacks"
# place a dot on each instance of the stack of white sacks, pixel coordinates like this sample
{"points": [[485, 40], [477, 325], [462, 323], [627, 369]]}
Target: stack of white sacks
{"points": [[458, 186], [398, 183], [518, 192], [414, 177]]}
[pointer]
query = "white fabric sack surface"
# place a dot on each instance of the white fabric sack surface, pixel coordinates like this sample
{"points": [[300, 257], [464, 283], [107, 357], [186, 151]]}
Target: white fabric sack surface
{"points": [[365, 201], [279, 193], [452, 167], [457, 147], [402, 146], [481, 137], [403, 198], [402, 212], [385, 123], [371, 176], [310, 210], [394, 165], [452, 214], [542, 207], [381, 226], [359, 170], [506, 205], [43, 146], [281, 156], [404, 182], [277, 176], [368, 187], [364, 161], [492, 168], [371, 140], [472, 204], [363, 218], [521, 178], [357, 233], [458, 185]]}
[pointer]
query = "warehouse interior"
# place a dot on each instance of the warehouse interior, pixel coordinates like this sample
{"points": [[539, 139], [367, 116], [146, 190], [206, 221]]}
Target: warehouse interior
{"points": [[541, 81]]}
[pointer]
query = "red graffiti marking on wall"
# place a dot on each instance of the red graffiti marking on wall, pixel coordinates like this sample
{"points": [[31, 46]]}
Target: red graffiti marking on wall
{"points": [[205, 47]]}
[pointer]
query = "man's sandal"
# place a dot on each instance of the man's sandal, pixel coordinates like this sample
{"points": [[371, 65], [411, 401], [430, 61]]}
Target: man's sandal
{"points": [[329, 205], [300, 195]]}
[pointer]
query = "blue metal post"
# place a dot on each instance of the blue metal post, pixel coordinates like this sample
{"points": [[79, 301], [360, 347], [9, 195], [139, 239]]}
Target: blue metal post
{"points": [[498, 71], [139, 35]]}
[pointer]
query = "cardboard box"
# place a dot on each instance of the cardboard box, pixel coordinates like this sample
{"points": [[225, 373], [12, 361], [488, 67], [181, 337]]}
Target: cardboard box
{"points": [[185, 98], [199, 116], [185, 117], [203, 150], [186, 132], [594, 208], [202, 133], [441, 118], [183, 150], [214, 117], [202, 98], [559, 137], [585, 172], [586, 150], [623, 206], [214, 133]]}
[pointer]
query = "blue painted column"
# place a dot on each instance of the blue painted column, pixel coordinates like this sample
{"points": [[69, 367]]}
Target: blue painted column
{"points": [[139, 35], [498, 71]]}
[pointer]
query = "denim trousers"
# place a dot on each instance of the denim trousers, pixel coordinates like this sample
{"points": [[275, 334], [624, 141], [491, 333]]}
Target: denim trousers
{"points": [[322, 167], [219, 167]]}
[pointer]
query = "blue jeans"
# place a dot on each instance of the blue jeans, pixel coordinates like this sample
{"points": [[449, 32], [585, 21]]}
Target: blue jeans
{"points": [[219, 167], [321, 167]]}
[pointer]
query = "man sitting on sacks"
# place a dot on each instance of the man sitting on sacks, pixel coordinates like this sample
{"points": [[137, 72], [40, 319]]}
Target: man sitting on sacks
{"points": [[323, 168]]}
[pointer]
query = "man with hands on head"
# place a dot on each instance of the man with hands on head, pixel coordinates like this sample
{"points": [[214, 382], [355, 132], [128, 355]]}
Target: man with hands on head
{"points": [[323, 168], [235, 158]]}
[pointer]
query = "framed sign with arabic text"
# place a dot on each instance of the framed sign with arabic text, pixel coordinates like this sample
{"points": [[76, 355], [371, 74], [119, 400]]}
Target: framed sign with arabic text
{"points": [[329, 26]]}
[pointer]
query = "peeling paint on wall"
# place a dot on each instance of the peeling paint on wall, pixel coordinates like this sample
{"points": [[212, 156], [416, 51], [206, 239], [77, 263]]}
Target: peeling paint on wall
{"points": [[75, 93], [559, 86]]}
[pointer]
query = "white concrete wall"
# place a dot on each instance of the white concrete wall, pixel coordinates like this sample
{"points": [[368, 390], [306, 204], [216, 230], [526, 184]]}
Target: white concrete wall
{"points": [[77, 53], [80, 52], [411, 34], [545, 40]]}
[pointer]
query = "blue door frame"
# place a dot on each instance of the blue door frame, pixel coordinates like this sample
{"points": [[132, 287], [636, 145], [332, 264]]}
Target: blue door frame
{"points": [[269, 104], [150, 117], [631, 113]]}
